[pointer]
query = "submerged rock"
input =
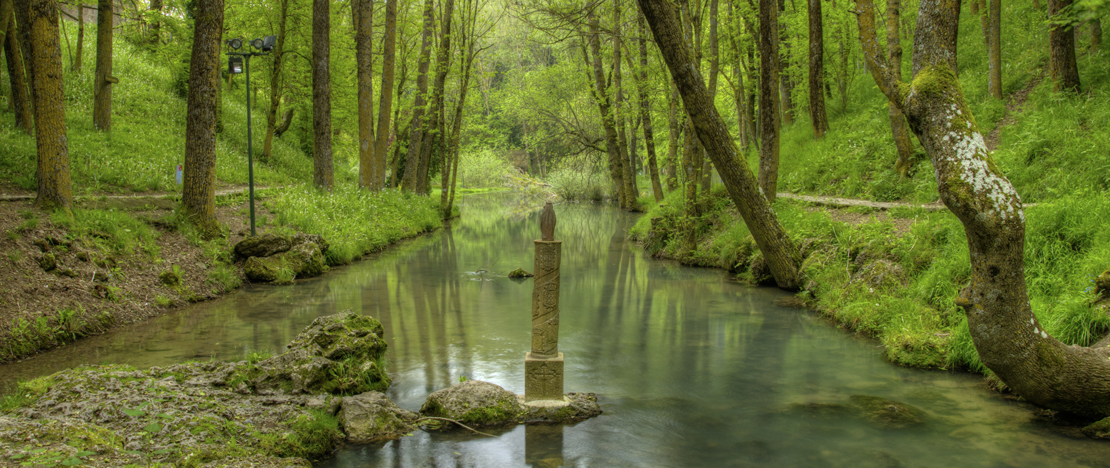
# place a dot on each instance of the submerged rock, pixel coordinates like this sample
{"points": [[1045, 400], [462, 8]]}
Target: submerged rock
{"points": [[372, 416], [476, 403], [520, 273], [889, 414]]}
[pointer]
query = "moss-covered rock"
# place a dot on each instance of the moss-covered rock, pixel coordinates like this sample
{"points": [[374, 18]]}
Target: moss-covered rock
{"points": [[1102, 284], [48, 262], [372, 416], [520, 273], [266, 269], [303, 260], [475, 403], [301, 238], [264, 245], [337, 354]]}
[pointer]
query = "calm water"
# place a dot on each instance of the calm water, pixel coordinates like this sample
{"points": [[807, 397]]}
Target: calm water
{"points": [[692, 368]]}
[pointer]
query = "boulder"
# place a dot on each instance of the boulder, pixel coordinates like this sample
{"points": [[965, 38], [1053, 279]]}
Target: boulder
{"points": [[573, 407], [317, 239], [1102, 284], [302, 261], [264, 245], [886, 413], [475, 403], [338, 354], [372, 416], [520, 273]]}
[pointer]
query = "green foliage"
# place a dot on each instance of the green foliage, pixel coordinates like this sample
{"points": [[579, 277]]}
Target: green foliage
{"points": [[113, 231], [355, 222], [312, 436], [482, 168]]}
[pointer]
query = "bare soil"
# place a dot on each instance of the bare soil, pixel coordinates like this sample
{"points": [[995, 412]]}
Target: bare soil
{"points": [[103, 290]]}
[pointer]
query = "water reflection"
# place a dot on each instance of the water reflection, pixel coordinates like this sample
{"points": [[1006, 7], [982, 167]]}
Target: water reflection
{"points": [[692, 369]]}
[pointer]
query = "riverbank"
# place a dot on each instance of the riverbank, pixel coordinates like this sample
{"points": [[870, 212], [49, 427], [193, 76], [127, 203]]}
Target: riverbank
{"points": [[895, 274], [117, 260]]}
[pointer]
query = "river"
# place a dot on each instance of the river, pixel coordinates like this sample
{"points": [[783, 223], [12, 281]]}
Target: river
{"points": [[692, 368]]}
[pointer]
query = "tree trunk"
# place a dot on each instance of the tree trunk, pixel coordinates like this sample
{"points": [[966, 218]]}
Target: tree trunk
{"points": [[322, 175], [777, 247], [79, 56], [817, 71], [898, 127], [363, 12], [416, 140], [276, 83], [714, 71], [450, 179], [102, 81], [156, 25], [1008, 337], [54, 191], [602, 99], [645, 111], [994, 58], [21, 99], [1061, 39], [672, 141], [5, 21], [768, 99], [628, 177], [385, 104], [1096, 33], [786, 81], [198, 195], [434, 125]]}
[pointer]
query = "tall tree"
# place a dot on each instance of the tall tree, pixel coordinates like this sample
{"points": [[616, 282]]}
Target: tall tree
{"points": [[628, 177], [78, 56], [323, 173], [1061, 40], [601, 97], [389, 53], [416, 139], [817, 71], [433, 133], [777, 247], [103, 79], [155, 12], [994, 50], [768, 98], [645, 109], [1005, 332], [17, 73], [468, 27], [198, 195], [54, 189], [363, 12], [898, 127], [276, 83]]}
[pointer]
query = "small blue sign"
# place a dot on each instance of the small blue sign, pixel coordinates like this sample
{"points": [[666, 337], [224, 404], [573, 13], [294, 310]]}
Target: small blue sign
{"points": [[178, 176]]}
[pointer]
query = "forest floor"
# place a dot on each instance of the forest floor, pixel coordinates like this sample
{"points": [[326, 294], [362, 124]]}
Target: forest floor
{"points": [[64, 280]]}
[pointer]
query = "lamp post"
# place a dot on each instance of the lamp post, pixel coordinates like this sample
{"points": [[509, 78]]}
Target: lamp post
{"points": [[236, 65]]}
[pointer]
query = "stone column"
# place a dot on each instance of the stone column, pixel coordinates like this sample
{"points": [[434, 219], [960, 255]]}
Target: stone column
{"points": [[543, 366]]}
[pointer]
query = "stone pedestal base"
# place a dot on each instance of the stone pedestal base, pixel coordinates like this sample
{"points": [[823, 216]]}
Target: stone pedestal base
{"points": [[543, 377]]}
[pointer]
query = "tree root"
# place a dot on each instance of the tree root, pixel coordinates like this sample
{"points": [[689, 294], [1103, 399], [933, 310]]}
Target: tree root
{"points": [[471, 429]]}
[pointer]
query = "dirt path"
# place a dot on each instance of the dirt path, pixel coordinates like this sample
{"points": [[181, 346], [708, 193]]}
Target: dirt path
{"points": [[25, 195], [837, 202], [1013, 106]]}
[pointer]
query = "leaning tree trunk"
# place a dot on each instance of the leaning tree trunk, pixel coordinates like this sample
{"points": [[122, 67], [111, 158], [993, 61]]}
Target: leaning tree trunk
{"points": [[103, 79], [1009, 339], [416, 139], [1061, 39], [778, 249], [199, 190], [54, 189], [768, 99], [323, 176]]}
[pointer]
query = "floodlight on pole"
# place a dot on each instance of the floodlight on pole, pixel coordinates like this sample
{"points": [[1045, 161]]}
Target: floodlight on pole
{"points": [[243, 60]]}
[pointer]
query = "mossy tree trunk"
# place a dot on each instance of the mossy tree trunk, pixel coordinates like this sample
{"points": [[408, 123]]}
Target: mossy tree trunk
{"points": [[17, 76], [103, 79], [628, 176], [469, 14], [155, 9], [645, 110], [323, 176], [433, 126], [1061, 58], [1009, 339], [777, 247], [601, 97], [898, 128], [768, 99], [199, 189], [54, 189], [674, 132]]}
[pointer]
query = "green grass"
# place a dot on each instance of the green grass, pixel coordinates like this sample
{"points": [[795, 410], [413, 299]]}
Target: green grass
{"points": [[355, 222]]}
